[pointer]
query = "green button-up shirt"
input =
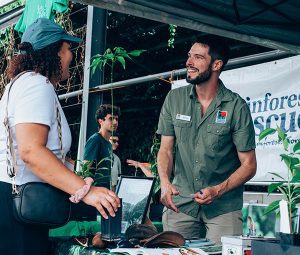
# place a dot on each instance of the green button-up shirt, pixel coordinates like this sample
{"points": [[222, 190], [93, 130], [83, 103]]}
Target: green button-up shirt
{"points": [[206, 146]]}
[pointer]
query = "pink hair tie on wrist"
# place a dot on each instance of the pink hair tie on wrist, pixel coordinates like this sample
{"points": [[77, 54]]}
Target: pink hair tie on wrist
{"points": [[81, 193]]}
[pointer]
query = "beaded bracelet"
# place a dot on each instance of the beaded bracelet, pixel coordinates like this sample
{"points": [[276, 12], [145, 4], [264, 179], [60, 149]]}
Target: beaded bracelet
{"points": [[81, 193]]}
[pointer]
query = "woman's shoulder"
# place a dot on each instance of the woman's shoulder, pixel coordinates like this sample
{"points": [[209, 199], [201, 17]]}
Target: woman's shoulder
{"points": [[33, 83], [32, 78]]}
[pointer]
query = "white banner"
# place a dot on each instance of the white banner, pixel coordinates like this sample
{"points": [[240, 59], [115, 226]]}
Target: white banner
{"points": [[272, 91]]}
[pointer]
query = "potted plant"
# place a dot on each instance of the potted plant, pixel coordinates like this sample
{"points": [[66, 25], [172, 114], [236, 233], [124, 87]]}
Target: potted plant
{"points": [[288, 186]]}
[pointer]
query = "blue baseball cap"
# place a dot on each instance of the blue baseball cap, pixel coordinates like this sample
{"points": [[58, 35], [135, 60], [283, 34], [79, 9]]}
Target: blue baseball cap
{"points": [[44, 32]]}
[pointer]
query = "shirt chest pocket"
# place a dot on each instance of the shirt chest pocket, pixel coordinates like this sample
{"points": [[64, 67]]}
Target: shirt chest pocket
{"points": [[182, 130], [218, 135]]}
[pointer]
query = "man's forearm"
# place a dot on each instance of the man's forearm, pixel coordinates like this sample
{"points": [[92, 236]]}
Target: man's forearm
{"points": [[243, 174], [164, 165]]}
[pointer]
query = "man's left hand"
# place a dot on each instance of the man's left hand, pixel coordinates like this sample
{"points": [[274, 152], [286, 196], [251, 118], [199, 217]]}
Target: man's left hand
{"points": [[207, 195]]}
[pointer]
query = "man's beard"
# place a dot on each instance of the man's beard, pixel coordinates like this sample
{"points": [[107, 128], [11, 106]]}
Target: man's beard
{"points": [[201, 78]]}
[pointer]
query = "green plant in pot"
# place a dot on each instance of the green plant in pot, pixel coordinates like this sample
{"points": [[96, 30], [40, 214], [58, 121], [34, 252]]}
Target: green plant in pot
{"points": [[288, 186]]}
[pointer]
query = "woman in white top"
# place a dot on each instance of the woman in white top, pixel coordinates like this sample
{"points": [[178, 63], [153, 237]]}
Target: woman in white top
{"points": [[32, 114]]}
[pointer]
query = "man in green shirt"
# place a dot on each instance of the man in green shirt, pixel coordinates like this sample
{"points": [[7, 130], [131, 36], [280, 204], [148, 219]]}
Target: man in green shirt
{"points": [[209, 131], [98, 149]]}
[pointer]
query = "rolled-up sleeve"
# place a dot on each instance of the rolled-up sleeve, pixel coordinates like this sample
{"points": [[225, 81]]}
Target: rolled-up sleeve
{"points": [[165, 123], [244, 134]]}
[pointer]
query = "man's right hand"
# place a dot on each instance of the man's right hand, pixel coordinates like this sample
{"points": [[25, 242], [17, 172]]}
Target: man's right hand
{"points": [[167, 191]]}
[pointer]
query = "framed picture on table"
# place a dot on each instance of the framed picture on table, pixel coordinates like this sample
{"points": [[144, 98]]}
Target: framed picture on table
{"points": [[136, 195]]}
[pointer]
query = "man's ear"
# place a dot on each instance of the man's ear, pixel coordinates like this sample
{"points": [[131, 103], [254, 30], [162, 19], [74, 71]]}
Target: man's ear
{"points": [[217, 65], [100, 122]]}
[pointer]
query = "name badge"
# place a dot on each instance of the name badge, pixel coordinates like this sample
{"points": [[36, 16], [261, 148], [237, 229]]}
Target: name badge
{"points": [[183, 117]]}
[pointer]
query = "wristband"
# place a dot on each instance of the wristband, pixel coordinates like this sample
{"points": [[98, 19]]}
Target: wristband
{"points": [[81, 193]]}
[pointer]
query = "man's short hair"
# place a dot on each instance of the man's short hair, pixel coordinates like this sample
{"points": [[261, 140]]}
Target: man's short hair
{"points": [[218, 48], [105, 109]]}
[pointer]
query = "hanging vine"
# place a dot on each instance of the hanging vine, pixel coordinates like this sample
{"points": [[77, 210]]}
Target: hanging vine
{"points": [[172, 34]]}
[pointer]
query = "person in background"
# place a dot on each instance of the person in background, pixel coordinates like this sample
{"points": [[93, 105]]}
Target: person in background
{"points": [[116, 168], [212, 130], [32, 114], [145, 167], [98, 149]]}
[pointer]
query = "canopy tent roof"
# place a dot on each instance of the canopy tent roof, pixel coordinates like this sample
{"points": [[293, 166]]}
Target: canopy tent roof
{"points": [[270, 23]]}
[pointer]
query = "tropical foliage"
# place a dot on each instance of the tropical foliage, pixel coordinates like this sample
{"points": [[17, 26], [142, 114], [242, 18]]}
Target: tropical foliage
{"points": [[88, 169], [289, 186], [111, 57]]}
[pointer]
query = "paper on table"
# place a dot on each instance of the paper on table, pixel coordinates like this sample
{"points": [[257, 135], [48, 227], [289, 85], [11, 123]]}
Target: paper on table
{"points": [[285, 226], [154, 251]]}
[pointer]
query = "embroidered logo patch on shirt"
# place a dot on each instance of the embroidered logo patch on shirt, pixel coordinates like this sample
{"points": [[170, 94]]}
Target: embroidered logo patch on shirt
{"points": [[183, 117], [221, 117]]}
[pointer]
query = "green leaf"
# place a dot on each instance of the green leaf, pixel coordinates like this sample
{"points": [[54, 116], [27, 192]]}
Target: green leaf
{"points": [[104, 62], [109, 56], [296, 178], [96, 56], [287, 160], [272, 207], [136, 53], [272, 187], [296, 167], [281, 134], [121, 60], [266, 132], [279, 176], [107, 51], [296, 147], [125, 55], [296, 199], [97, 62], [294, 161], [119, 50], [286, 143]]}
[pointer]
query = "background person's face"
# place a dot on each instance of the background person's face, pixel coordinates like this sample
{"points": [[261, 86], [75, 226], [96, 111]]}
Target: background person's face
{"points": [[109, 123], [66, 57], [114, 140]]}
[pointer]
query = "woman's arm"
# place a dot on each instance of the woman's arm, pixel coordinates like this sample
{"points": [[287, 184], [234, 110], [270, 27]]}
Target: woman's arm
{"points": [[31, 140], [140, 165]]}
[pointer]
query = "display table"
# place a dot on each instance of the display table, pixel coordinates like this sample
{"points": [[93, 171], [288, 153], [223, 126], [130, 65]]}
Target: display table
{"points": [[67, 248]]}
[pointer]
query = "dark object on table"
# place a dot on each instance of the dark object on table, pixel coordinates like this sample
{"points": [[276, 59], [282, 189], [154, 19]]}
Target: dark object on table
{"points": [[140, 231], [150, 238], [273, 248], [111, 227], [132, 243], [166, 239], [290, 239]]}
